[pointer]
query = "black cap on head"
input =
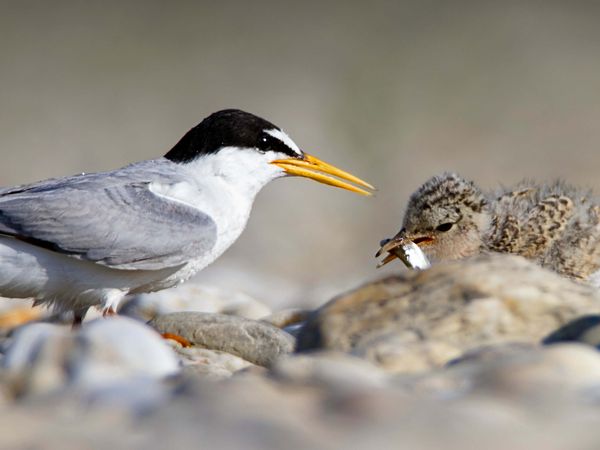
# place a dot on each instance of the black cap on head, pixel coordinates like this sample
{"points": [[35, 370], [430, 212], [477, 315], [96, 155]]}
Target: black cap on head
{"points": [[227, 128]]}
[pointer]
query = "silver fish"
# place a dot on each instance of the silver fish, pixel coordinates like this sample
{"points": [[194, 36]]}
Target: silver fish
{"points": [[406, 251]]}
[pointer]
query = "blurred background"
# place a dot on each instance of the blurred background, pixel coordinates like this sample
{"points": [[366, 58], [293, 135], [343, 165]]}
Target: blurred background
{"points": [[393, 92]]}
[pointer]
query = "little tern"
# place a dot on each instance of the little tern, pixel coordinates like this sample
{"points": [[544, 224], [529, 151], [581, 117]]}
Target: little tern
{"points": [[92, 239]]}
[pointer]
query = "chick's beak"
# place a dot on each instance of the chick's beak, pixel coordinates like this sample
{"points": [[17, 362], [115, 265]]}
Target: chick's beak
{"points": [[388, 245], [391, 246], [315, 169]]}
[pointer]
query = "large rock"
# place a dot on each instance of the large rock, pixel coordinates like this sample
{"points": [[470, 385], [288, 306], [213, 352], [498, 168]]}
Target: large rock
{"points": [[255, 341], [419, 320]]}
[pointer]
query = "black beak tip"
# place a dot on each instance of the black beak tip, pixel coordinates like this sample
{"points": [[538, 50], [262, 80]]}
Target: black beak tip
{"points": [[381, 244]]}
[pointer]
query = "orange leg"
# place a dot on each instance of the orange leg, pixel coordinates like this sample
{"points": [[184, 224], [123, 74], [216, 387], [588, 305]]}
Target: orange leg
{"points": [[175, 337], [109, 312]]}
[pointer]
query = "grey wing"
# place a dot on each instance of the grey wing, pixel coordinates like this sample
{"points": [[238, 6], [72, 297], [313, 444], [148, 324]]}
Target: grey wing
{"points": [[124, 225]]}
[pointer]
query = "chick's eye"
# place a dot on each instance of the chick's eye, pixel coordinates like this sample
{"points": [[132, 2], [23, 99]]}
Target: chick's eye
{"points": [[444, 227]]}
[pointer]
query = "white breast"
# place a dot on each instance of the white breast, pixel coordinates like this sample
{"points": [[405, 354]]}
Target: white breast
{"points": [[223, 186], [227, 207]]}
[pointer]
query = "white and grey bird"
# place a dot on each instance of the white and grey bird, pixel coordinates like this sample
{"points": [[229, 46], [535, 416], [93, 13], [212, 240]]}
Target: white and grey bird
{"points": [[92, 239]]}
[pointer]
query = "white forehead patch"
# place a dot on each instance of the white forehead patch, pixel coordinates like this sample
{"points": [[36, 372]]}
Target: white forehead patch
{"points": [[278, 134]]}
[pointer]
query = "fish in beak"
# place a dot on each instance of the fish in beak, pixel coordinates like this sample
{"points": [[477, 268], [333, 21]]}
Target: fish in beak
{"points": [[315, 169], [406, 249]]}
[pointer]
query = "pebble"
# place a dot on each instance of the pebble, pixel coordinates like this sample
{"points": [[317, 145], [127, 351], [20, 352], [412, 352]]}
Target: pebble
{"points": [[531, 372], [36, 359], [135, 395], [329, 369], [451, 358], [257, 342], [394, 353], [209, 363], [118, 349], [43, 357]]}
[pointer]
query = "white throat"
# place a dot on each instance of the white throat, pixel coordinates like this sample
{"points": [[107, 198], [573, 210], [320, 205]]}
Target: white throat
{"points": [[243, 170], [224, 186]]}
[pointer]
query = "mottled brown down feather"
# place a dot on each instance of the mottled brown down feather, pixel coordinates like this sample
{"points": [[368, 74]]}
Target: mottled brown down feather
{"points": [[553, 224]]}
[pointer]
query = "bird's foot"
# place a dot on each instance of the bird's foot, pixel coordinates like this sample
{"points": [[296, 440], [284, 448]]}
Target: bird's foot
{"points": [[108, 311], [110, 302], [175, 337], [77, 321]]}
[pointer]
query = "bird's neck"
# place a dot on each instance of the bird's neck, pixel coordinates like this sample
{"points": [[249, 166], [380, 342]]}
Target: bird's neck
{"points": [[224, 186], [242, 172]]}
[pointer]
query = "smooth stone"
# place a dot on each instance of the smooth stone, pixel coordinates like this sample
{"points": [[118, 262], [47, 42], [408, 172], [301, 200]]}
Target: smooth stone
{"points": [[120, 348], [37, 358], [329, 369], [494, 353], [252, 411], [255, 341], [568, 366], [420, 320], [44, 357], [207, 371], [536, 372], [524, 374], [213, 364], [26, 342], [394, 354], [135, 395], [194, 297]]}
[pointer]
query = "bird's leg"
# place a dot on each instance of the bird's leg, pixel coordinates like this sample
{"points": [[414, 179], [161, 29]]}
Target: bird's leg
{"points": [[108, 311], [77, 320], [111, 300], [175, 337]]}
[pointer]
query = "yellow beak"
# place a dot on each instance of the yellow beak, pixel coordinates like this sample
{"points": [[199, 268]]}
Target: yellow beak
{"points": [[315, 169]]}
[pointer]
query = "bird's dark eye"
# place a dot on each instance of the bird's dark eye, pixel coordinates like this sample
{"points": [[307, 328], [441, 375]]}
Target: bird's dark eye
{"points": [[444, 227], [270, 143]]}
